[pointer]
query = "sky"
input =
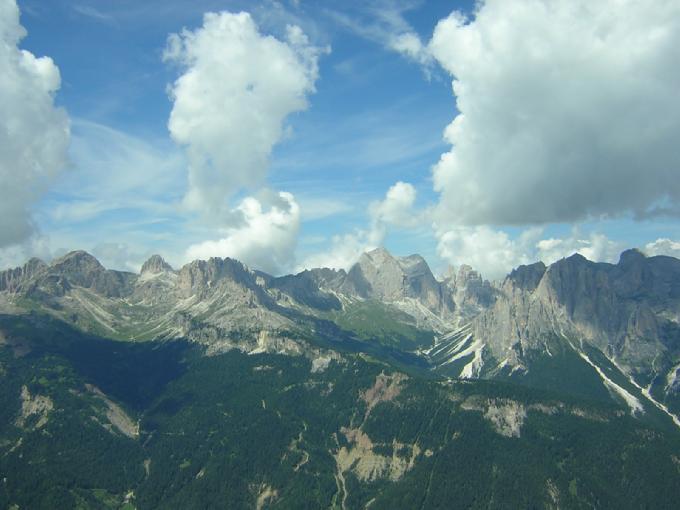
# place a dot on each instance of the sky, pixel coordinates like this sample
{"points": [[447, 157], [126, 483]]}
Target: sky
{"points": [[294, 134]]}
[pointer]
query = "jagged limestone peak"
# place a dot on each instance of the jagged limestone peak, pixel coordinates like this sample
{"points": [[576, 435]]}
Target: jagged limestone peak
{"points": [[155, 265], [527, 276], [34, 265], [377, 257], [79, 260]]}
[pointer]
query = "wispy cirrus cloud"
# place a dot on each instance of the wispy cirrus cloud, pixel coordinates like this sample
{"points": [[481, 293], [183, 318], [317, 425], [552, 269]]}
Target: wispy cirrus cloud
{"points": [[384, 23], [93, 13]]}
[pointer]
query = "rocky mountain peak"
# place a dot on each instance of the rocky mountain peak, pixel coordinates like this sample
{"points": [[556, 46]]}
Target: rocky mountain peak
{"points": [[527, 277], [466, 274], [155, 265], [632, 256], [377, 257], [414, 265], [77, 261], [470, 292], [198, 276], [380, 275], [11, 279], [34, 265], [80, 269]]}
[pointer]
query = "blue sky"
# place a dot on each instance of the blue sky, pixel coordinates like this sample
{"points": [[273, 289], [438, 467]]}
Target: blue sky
{"points": [[374, 116]]}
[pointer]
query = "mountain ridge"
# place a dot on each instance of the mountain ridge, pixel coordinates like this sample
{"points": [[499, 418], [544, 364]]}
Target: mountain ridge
{"points": [[462, 325]]}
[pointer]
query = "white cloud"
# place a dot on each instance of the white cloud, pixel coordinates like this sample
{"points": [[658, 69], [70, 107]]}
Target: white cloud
{"points": [[343, 252], [663, 246], [568, 110], [118, 256], [229, 106], [596, 247], [35, 134], [410, 45], [396, 209], [491, 252], [18, 254], [265, 240], [494, 253], [384, 23]]}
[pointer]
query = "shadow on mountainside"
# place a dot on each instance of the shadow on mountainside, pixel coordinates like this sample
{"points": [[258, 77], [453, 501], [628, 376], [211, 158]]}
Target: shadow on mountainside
{"points": [[133, 373]]}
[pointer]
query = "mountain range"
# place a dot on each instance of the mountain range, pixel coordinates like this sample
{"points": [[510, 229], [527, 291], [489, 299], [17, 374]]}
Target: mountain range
{"points": [[595, 341]]}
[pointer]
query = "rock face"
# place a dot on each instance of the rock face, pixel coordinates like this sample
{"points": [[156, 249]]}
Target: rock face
{"points": [[156, 265], [222, 303], [11, 279], [200, 276], [38, 280], [630, 311], [312, 288], [405, 283], [394, 278], [378, 275], [471, 293]]}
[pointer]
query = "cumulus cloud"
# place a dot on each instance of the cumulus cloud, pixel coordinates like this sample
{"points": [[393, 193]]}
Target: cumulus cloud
{"points": [[663, 246], [229, 105], [491, 252], [266, 238], [596, 247], [397, 208], [35, 134], [567, 110]]}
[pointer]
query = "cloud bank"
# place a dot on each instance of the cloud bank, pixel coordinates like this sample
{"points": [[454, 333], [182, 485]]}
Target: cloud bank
{"points": [[663, 246], [567, 110], [495, 253], [35, 134]]}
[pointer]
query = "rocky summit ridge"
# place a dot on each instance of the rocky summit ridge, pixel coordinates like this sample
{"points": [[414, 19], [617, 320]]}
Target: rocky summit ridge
{"points": [[619, 322]]}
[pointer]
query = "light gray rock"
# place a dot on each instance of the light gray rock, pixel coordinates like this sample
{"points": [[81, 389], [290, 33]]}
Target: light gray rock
{"points": [[471, 293], [155, 265], [11, 279], [378, 275], [630, 311]]}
